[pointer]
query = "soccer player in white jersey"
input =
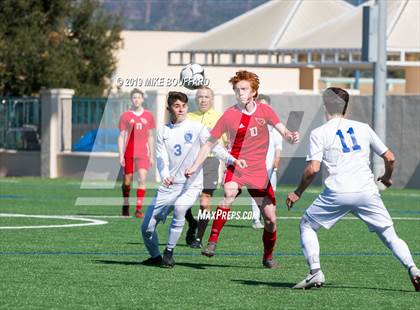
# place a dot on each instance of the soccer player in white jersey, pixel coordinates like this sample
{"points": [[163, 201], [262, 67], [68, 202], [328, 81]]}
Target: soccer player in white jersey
{"points": [[272, 163], [344, 147], [178, 144]]}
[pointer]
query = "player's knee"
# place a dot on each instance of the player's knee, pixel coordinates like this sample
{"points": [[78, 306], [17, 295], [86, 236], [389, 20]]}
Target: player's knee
{"points": [[305, 224], [180, 211], [270, 221], [128, 179]]}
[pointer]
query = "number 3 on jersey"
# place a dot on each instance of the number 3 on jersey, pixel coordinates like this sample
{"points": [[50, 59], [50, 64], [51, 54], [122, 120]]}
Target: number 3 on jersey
{"points": [[178, 150], [346, 149]]}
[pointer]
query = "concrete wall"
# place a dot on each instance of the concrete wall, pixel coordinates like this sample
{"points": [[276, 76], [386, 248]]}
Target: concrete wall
{"points": [[19, 163]]}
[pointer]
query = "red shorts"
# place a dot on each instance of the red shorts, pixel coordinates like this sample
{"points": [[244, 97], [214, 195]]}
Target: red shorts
{"points": [[256, 180], [132, 163]]}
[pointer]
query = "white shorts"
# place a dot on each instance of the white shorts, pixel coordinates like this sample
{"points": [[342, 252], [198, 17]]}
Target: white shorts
{"points": [[330, 207], [167, 198]]}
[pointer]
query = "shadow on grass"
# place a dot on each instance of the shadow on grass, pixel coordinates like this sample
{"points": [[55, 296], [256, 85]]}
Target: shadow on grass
{"points": [[327, 286], [160, 244], [284, 285], [202, 266]]}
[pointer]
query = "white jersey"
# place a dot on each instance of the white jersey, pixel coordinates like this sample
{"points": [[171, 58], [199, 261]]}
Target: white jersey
{"points": [[274, 144], [177, 148], [344, 147]]}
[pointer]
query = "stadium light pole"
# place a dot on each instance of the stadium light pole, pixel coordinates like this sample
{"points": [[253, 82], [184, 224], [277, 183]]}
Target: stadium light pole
{"points": [[379, 84]]}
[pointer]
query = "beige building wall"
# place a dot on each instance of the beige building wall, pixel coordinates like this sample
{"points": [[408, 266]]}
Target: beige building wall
{"points": [[145, 55]]}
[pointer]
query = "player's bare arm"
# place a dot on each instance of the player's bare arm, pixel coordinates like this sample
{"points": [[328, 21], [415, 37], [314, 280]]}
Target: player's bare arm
{"points": [[151, 144], [389, 160], [291, 137], [121, 143], [311, 169], [202, 155]]}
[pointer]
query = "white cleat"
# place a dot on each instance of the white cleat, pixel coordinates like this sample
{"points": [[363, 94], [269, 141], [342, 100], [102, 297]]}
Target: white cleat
{"points": [[312, 280], [257, 224]]}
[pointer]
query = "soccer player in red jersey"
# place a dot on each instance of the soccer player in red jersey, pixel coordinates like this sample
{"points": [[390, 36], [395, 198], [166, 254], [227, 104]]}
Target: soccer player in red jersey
{"points": [[135, 146], [246, 127]]}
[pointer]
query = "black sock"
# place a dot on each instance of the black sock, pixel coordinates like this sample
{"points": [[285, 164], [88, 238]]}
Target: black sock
{"points": [[192, 222], [202, 225]]}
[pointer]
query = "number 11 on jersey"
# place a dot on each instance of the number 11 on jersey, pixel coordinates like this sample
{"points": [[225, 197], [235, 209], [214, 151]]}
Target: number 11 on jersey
{"points": [[346, 149]]}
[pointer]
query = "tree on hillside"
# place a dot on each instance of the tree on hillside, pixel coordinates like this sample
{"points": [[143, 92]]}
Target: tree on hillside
{"points": [[56, 44]]}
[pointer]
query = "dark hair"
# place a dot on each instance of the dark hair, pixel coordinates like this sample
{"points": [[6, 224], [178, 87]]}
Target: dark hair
{"points": [[136, 91], [335, 100], [266, 98], [249, 76], [173, 96]]}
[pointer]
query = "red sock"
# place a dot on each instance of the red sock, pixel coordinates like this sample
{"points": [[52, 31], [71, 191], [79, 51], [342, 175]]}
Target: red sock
{"points": [[126, 193], [140, 195], [218, 223], [269, 240]]}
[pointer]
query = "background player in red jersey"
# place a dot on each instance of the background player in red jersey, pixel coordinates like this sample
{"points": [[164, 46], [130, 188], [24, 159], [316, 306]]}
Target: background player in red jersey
{"points": [[246, 125], [135, 146]]}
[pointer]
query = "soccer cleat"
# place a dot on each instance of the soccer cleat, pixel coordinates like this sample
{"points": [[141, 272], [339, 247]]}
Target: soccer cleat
{"points": [[414, 273], [125, 210], [191, 234], [196, 244], [257, 224], [139, 214], [312, 280], [167, 259], [270, 263], [209, 251], [153, 261]]}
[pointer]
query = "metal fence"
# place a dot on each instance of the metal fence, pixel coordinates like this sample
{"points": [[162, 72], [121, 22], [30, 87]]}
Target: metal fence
{"points": [[95, 122], [20, 119]]}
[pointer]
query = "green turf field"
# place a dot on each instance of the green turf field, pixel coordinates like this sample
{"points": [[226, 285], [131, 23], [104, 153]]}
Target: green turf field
{"points": [[97, 267]]}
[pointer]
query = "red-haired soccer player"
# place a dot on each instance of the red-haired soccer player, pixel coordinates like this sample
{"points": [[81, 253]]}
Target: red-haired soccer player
{"points": [[246, 125], [135, 146]]}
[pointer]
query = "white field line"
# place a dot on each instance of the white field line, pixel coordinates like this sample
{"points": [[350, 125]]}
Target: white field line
{"points": [[89, 222]]}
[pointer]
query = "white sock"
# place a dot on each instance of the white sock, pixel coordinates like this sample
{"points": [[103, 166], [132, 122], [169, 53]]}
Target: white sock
{"points": [[255, 210], [309, 243], [175, 230], [398, 246]]}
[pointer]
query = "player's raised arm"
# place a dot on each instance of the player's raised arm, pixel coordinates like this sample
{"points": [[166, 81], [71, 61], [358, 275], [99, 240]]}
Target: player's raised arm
{"points": [[311, 169]]}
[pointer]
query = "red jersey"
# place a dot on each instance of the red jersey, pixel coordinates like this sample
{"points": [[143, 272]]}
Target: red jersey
{"points": [[137, 127], [247, 133]]}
